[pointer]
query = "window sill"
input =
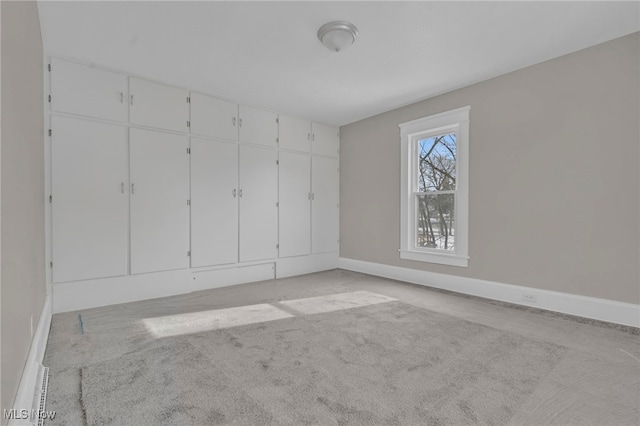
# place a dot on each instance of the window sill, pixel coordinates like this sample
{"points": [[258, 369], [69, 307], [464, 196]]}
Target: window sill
{"points": [[432, 257]]}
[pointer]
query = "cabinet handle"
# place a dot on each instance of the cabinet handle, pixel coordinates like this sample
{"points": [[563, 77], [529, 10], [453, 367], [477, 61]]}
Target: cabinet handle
{"points": [[240, 193], [233, 120], [313, 137], [240, 122], [313, 196], [122, 187], [308, 136], [131, 99], [234, 193], [121, 97], [133, 188]]}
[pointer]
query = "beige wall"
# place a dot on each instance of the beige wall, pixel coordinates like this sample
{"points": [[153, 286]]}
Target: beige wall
{"points": [[554, 185], [22, 180]]}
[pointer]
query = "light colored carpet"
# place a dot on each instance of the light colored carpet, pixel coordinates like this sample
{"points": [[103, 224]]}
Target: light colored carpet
{"points": [[388, 363], [596, 381]]}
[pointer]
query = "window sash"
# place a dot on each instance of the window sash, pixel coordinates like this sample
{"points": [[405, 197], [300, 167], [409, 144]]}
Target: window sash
{"points": [[453, 121], [415, 227]]}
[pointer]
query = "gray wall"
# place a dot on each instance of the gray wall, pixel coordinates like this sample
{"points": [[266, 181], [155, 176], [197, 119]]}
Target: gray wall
{"points": [[554, 185], [22, 179]]}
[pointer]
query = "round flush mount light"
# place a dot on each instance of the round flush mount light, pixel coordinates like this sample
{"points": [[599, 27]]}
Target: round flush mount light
{"points": [[337, 35]]}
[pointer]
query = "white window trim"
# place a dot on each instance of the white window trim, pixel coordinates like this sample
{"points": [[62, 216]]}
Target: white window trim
{"points": [[455, 120]]}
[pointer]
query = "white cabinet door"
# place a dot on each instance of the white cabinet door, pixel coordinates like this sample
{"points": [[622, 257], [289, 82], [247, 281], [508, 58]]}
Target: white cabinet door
{"points": [[90, 211], [214, 202], [258, 126], [326, 140], [214, 117], [295, 134], [295, 204], [258, 197], [82, 90], [156, 105], [324, 214], [159, 193]]}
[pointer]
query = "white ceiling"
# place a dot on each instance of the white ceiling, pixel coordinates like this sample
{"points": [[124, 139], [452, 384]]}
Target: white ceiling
{"points": [[266, 54]]}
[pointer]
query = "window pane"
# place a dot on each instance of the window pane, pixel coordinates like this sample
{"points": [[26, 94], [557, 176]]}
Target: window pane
{"points": [[437, 163], [436, 226]]}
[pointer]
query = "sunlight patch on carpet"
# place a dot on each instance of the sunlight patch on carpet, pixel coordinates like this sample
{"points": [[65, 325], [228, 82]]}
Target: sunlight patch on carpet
{"points": [[197, 322], [336, 302]]}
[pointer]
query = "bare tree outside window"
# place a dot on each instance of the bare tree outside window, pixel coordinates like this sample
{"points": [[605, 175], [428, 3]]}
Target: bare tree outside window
{"points": [[435, 199]]}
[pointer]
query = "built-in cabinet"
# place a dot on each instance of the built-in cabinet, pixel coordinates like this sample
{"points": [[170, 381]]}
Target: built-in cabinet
{"points": [[89, 189], [159, 170], [215, 118], [214, 202], [156, 105], [325, 199], [258, 193], [148, 178], [295, 204], [257, 126], [309, 182], [88, 91]]}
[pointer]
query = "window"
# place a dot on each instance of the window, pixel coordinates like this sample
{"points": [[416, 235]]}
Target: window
{"points": [[435, 182]]}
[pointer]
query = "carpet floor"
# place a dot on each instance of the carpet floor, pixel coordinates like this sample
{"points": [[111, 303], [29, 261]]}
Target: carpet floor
{"points": [[340, 358]]}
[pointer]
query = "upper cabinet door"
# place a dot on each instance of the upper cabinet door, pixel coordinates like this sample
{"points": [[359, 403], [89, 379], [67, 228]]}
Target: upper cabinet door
{"points": [[258, 126], [214, 117], [157, 105], [325, 140], [82, 90], [295, 134]]}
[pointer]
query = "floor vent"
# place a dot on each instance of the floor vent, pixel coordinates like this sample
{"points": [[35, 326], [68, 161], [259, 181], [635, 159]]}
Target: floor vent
{"points": [[40, 396]]}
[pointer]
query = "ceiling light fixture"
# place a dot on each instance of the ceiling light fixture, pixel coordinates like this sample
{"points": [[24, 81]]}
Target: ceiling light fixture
{"points": [[337, 35]]}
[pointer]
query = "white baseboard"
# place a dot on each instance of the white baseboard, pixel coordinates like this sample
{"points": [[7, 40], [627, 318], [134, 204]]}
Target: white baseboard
{"points": [[73, 296], [27, 386], [583, 306], [299, 265]]}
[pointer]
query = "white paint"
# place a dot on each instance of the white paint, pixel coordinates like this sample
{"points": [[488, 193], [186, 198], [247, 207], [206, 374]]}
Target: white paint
{"points": [[294, 133], [454, 121], [88, 91], [214, 117], [258, 197], [325, 140], [110, 291], [257, 126], [324, 205], [292, 266], [157, 105], [27, 387], [159, 192], [90, 209], [587, 307], [214, 202], [336, 302], [267, 53], [294, 213], [198, 322]]}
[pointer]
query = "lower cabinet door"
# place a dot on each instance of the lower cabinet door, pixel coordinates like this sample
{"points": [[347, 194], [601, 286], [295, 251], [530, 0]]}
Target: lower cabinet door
{"points": [[258, 192], [324, 213], [159, 170], [294, 217], [90, 200], [214, 202]]}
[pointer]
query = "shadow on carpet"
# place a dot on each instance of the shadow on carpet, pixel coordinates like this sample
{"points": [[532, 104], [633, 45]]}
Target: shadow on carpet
{"points": [[385, 364]]}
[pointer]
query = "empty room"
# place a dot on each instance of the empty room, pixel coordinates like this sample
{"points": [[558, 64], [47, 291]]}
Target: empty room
{"points": [[320, 213]]}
